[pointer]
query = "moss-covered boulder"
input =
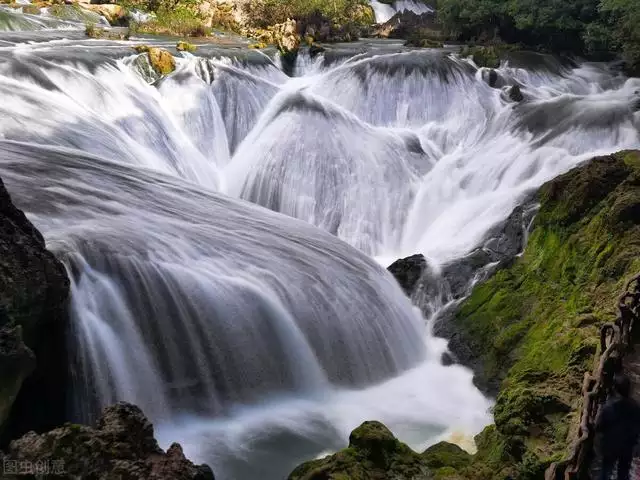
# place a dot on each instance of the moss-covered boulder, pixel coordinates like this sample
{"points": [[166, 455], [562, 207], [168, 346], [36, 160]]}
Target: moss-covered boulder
{"points": [[183, 46], [534, 325], [160, 59], [373, 454], [121, 445], [33, 318], [445, 457], [482, 56]]}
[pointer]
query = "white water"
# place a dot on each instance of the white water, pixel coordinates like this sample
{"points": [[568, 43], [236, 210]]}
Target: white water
{"points": [[383, 11], [253, 338]]}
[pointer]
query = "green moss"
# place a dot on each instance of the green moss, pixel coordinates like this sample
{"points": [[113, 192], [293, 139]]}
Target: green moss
{"points": [[183, 46], [445, 454], [482, 56], [373, 453], [535, 324]]}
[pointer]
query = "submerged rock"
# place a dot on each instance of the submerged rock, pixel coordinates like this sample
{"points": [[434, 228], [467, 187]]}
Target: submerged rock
{"points": [[121, 445], [373, 454], [33, 317]]}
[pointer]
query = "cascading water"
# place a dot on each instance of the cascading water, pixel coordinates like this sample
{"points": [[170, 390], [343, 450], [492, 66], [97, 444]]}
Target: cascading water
{"points": [[383, 11], [256, 339]]}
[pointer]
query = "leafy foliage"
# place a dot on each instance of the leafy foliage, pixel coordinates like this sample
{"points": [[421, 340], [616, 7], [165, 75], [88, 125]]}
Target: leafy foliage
{"points": [[263, 13], [594, 27]]}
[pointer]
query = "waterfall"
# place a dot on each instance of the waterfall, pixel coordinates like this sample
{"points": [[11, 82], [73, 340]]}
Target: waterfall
{"points": [[384, 11], [221, 225]]}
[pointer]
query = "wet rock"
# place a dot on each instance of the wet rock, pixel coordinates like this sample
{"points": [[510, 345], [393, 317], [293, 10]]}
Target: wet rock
{"points": [[437, 292], [183, 46], [33, 318], [515, 93], [491, 77], [409, 25], [373, 453], [315, 50], [121, 445], [482, 56], [17, 362], [408, 271], [161, 60], [114, 14], [286, 36]]}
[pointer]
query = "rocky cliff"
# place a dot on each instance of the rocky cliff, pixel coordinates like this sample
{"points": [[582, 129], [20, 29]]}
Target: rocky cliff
{"points": [[33, 296]]}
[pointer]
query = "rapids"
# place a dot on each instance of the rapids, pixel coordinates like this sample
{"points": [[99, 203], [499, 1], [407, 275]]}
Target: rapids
{"points": [[224, 226]]}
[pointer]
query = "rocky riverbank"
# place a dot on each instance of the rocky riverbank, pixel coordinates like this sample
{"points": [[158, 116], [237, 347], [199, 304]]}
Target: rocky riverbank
{"points": [[530, 331]]}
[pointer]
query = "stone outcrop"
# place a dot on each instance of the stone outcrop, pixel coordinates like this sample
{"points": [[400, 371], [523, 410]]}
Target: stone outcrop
{"points": [[121, 445], [373, 454], [420, 30], [159, 59], [408, 271], [33, 317], [531, 329]]}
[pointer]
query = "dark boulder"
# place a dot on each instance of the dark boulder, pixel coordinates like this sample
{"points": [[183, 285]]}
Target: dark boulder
{"points": [[408, 271], [440, 292], [515, 93], [121, 445], [33, 318]]}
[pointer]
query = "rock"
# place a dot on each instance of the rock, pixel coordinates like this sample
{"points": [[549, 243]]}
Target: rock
{"points": [[17, 362], [33, 318], [183, 46], [445, 454], [409, 25], [315, 50], [515, 93], [113, 13], [161, 60], [286, 36], [482, 56], [373, 453], [121, 445], [423, 43], [407, 271]]}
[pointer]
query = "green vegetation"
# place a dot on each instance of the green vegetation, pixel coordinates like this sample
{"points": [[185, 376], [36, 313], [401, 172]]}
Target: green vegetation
{"points": [[263, 13], [373, 453], [183, 46], [593, 27], [535, 324], [180, 21]]}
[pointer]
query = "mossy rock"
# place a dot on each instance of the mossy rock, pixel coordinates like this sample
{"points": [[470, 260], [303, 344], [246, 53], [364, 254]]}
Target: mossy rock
{"points": [[373, 454], [258, 45], [445, 454], [161, 60], [423, 43], [183, 46], [534, 325], [488, 57], [31, 9]]}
